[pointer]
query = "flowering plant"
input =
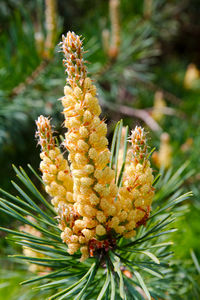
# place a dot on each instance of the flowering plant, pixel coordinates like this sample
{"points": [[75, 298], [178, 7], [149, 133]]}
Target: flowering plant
{"points": [[98, 223]]}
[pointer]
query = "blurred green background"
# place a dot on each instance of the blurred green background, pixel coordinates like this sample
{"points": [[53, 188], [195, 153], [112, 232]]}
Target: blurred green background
{"points": [[153, 80]]}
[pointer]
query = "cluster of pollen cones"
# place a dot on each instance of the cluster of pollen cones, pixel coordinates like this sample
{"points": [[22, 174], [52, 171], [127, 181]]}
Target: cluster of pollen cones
{"points": [[93, 211]]}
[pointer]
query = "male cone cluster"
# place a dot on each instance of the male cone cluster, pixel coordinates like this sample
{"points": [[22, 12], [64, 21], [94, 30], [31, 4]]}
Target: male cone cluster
{"points": [[93, 211]]}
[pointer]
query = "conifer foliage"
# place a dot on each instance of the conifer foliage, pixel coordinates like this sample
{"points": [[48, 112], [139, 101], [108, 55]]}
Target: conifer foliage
{"points": [[101, 236]]}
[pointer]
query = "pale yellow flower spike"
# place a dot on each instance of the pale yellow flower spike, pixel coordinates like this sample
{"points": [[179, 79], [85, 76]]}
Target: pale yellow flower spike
{"points": [[39, 42], [93, 211], [136, 194], [139, 151], [106, 40], [159, 106], [51, 26], [115, 28], [148, 7], [75, 66], [163, 158], [165, 152], [45, 134], [56, 173], [94, 188], [191, 75]]}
